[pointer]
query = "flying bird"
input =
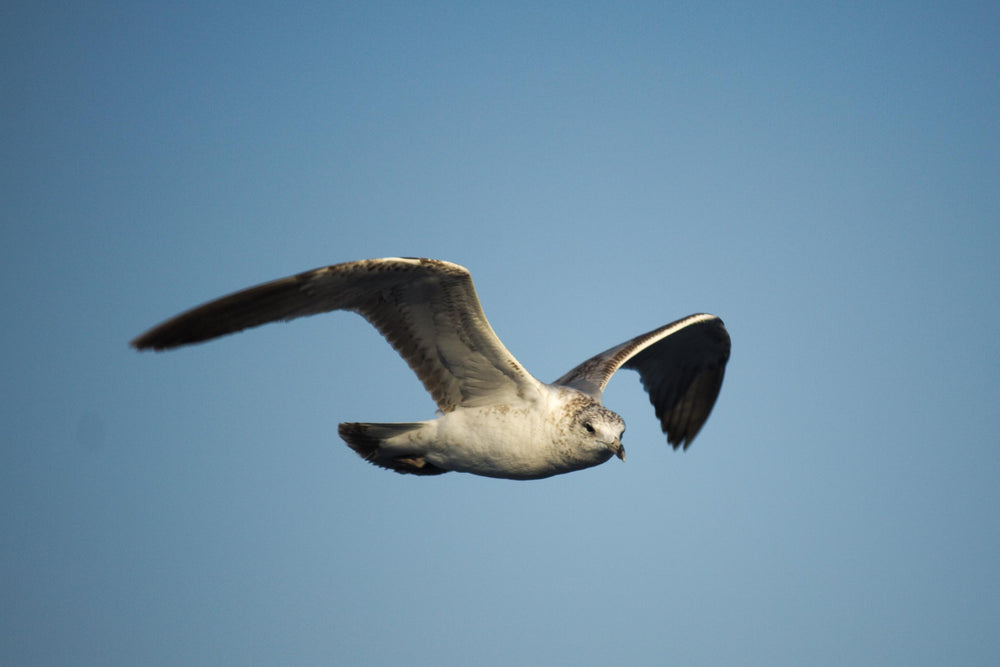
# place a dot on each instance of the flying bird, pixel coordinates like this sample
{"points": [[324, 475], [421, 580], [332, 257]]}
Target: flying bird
{"points": [[495, 419]]}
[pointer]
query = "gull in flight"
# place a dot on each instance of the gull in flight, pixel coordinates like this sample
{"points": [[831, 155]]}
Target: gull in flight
{"points": [[495, 419]]}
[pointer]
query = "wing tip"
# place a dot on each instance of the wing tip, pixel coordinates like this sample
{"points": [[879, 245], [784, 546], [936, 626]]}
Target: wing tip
{"points": [[682, 442], [145, 342]]}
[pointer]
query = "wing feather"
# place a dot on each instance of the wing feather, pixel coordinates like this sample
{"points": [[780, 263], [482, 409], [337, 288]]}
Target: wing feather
{"points": [[681, 366], [427, 309]]}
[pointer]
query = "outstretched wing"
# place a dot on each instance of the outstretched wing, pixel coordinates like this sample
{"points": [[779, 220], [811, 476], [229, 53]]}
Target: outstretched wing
{"points": [[427, 309], [681, 366]]}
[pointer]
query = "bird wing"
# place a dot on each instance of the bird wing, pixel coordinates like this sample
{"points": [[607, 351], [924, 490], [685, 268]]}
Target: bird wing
{"points": [[427, 310], [681, 366]]}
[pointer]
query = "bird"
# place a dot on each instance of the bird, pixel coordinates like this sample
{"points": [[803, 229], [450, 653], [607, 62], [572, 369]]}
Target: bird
{"points": [[494, 418]]}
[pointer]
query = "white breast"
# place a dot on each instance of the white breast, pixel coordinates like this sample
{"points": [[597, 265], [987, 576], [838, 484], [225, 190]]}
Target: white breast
{"points": [[528, 441]]}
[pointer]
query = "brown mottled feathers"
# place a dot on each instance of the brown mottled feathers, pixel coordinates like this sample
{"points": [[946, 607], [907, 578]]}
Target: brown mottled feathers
{"points": [[427, 309]]}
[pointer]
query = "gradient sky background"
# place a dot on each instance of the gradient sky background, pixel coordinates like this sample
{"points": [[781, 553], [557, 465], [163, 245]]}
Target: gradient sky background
{"points": [[824, 178]]}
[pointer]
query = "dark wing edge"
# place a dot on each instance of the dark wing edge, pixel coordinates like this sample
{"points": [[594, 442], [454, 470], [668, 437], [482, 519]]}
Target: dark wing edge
{"points": [[427, 309], [282, 299], [681, 366]]}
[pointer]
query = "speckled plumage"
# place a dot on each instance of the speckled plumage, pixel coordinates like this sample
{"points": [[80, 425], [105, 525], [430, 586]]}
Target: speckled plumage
{"points": [[496, 419]]}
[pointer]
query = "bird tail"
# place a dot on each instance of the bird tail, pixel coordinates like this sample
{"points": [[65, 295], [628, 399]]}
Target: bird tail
{"points": [[369, 440]]}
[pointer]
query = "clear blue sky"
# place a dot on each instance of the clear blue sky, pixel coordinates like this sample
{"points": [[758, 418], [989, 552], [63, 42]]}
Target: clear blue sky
{"points": [[825, 178]]}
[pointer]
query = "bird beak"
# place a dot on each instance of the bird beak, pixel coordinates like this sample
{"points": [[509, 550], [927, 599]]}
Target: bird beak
{"points": [[619, 449]]}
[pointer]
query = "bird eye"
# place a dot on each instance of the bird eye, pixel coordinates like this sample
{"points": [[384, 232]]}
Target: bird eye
{"points": [[590, 429]]}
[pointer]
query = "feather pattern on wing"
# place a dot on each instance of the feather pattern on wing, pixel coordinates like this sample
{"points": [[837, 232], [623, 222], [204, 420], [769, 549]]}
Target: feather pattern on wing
{"points": [[681, 366], [427, 310]]}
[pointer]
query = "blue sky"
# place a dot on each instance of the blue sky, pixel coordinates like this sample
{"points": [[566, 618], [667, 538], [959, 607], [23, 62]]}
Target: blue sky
{"points": [[824, 178]]}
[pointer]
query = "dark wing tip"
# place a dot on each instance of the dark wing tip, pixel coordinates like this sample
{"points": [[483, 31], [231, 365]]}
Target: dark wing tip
{"points": [[276, 300], [194, 326], [306, 293], [142, 343], [159, 338], [168, 336], [682, 374], [185, 329], [685, 420]]}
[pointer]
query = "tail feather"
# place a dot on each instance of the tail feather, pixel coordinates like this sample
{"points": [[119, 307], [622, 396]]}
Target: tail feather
{"points": [[367, 441]]}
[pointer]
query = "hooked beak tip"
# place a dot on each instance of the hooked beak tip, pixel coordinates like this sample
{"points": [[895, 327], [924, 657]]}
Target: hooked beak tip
{"points": [[620, 452]]}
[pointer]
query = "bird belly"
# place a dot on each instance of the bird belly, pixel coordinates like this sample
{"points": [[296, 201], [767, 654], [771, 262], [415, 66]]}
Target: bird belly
{"points": [[502, 441]]}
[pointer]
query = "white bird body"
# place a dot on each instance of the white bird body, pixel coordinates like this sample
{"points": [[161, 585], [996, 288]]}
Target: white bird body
{"points": [[531, 440], [496, 419]]}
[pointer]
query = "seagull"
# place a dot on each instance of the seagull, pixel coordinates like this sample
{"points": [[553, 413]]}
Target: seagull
{"points": [[495, 419]]}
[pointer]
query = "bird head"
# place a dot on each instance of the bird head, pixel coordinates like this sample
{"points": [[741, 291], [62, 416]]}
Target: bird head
{"points": [[600, 430]]}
